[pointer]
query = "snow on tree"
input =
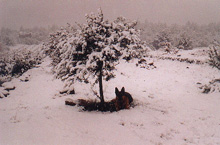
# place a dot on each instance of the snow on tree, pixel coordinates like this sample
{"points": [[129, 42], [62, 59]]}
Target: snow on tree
{"points": [[18, 61], [90, 53], [184, 41], [214, 55], [162, 40]]}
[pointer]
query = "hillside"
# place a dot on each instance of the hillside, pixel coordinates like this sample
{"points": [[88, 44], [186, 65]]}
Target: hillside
{"points": [[170, 107]]}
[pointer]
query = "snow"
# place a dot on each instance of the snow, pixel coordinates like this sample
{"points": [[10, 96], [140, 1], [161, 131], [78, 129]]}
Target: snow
{"points": [[170, 107], [8, 86]]}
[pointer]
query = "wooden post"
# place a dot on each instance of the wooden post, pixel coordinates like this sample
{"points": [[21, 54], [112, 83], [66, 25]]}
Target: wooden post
{"points": [[100, 65]]}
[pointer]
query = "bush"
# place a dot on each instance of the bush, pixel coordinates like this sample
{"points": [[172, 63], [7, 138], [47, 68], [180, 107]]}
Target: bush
{"points": [[214, 56], [16, 62]]}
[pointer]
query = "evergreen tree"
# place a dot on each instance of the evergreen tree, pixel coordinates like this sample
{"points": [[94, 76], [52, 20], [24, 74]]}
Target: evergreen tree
{"points": [[90, 53]]}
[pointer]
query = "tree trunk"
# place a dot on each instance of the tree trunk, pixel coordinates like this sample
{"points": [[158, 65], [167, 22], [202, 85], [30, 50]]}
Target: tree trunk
{"points": [[100, 65]]}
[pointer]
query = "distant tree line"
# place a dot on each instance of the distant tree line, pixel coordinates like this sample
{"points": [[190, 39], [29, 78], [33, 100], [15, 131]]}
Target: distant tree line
{"points": [[156, 35], [28, 36], [188, 36]]}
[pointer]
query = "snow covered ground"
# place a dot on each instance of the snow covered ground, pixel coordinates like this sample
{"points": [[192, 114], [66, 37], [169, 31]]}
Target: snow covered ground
{"points": [[170, 107]]}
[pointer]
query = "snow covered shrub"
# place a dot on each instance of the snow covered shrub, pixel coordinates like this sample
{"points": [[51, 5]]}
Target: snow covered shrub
{"points": [[57, 41], [91, 52], [3, 70], [18, 61], [21, 63], [214, 56], [162, 40], [184, 42], [211, 87]]}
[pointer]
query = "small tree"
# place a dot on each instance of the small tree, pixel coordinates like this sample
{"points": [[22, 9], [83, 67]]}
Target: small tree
{"points": [[184, 42], [91, 52], [162, 40]]}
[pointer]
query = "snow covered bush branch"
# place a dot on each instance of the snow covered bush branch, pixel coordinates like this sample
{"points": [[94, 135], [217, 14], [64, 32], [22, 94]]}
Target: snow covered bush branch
{"points": [[214, 56]]}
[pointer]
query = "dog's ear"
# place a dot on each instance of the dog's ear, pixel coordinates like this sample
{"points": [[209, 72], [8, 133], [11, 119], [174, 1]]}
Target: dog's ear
{"points": [[122, 90], [116, 91]]}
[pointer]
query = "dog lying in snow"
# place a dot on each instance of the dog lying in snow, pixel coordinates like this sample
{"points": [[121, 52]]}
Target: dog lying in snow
{"points": [[123, 100]]}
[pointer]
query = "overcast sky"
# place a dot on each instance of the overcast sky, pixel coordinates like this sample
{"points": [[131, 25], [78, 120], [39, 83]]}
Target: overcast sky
{"points": [[30, 13]]}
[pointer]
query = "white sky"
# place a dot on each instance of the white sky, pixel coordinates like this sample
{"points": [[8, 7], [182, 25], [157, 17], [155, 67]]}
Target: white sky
{"points": [[30, 13]]}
